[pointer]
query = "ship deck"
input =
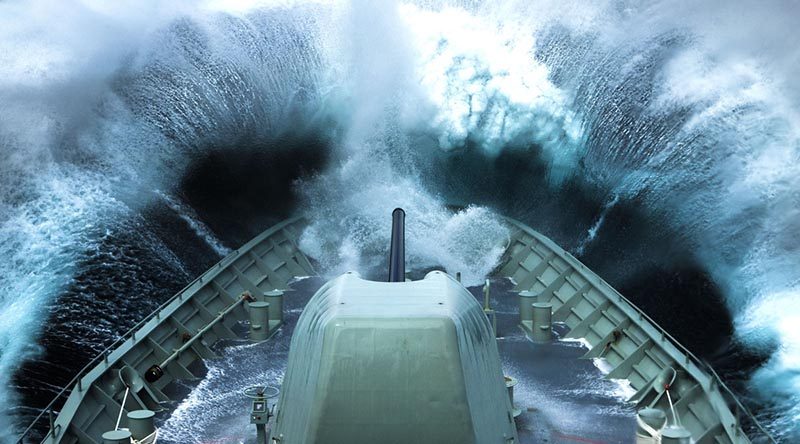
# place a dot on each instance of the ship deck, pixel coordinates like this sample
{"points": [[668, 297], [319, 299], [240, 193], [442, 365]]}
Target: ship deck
{"points": [[564, 399]]}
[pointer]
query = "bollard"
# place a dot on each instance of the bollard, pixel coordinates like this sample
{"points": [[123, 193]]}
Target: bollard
{"points": [[458, 276], [275, 299], [650, 422], [675, 434], [542, 315], [140, 424], [259, 321], [526, 298], [117, 437], [510, 383]]}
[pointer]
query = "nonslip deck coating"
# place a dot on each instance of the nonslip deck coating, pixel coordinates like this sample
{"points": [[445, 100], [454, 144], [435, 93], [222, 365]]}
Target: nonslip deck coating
{"points": [[564, 399]]}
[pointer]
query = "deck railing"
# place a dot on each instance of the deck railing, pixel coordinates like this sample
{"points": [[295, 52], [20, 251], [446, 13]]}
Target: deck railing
{"points": [[727, 393], [50, 412]]}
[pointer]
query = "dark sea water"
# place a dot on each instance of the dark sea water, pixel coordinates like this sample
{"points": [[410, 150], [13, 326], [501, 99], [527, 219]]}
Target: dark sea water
{"points": [[657, 141]]}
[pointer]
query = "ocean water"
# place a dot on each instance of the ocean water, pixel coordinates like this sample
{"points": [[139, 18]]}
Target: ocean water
{"points": [[657, 140]]}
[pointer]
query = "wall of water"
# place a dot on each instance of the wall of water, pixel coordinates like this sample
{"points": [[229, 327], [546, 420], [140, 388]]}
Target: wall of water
{"points": [[117, 119]]}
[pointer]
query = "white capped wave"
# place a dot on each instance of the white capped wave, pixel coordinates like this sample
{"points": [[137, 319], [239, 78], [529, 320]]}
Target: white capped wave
{"points": [[41, 243], [352, 222], [689, 108]]}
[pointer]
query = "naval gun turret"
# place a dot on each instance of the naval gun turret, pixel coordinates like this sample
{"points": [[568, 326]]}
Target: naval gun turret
{"points": [[394, 362]]}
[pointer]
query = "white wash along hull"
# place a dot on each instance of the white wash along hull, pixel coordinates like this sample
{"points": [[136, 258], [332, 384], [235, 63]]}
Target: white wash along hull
{"points": [[218, 304]]}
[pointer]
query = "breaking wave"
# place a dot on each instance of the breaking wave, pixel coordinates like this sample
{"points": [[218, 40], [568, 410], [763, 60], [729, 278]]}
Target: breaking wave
{"points": [[558, 113]]}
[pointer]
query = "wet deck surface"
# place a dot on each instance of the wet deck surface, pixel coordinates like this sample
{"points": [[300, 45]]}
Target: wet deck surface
{"points": [[564, 399]]}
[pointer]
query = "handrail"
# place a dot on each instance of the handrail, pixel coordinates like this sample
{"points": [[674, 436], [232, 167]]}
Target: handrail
{"points": [[739, 404], [98, 358], [697, 361], [235, 253], [130, 333]]}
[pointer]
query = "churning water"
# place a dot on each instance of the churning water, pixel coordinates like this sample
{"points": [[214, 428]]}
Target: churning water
{"points": [[139, 141]]}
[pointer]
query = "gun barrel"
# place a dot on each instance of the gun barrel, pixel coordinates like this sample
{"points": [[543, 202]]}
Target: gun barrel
{"points": [[397, 253]]}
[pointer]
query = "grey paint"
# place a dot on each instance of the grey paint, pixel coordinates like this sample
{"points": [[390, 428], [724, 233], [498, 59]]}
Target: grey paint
{"points": [[631, 343], [636, 348], [268, 262]]}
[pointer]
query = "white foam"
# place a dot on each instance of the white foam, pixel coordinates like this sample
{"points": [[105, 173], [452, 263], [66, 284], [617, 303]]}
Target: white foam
{"points": [[459, 70], [478, 73], [351, 227], [776, 317], [202, 230], [217, 409], [623, 389], [591, 233], [42, 241]]}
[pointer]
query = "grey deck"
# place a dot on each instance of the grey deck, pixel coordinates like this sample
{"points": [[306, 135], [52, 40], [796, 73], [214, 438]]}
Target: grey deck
{"points": [[189, 324], [629, 343], [564, 398], [214, 410]]}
